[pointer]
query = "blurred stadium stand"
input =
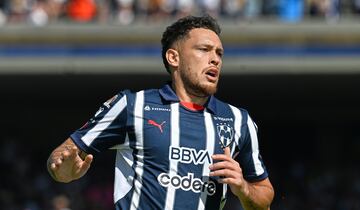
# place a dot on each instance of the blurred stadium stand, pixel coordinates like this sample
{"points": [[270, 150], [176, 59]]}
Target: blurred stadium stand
{"points": [[300, 82], [264, 47]]}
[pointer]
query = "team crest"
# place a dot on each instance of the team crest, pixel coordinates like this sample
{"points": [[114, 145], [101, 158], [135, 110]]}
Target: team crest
{"points": [[226, 134]]}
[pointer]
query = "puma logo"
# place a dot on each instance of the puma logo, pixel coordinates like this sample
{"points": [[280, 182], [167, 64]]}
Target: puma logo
{"points": [[152, 122]]}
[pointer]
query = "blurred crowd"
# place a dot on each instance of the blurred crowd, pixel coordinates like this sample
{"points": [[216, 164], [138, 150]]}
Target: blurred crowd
{"points": [[43, 12]]}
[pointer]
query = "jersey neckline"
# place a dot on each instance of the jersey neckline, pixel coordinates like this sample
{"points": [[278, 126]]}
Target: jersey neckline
{"points": [[192, 106]]}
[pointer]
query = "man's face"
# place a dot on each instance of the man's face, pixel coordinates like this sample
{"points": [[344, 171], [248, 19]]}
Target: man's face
{"points": [[200, 61]]}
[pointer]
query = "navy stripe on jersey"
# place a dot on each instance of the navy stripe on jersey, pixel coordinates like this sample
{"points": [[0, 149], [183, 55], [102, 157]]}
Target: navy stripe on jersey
{"points": [[249, 157], [164, 149]]}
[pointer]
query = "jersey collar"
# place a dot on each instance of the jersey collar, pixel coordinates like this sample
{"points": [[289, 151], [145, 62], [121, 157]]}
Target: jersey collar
{"points": [[168, 94]]}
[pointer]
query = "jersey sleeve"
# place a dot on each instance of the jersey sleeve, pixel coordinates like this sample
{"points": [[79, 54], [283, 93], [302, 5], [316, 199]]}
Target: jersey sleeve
{"points": [[249, 156], [106, 128]]}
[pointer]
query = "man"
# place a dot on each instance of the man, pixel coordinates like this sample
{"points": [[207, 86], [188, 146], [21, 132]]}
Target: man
{"points": [[178, 147]]}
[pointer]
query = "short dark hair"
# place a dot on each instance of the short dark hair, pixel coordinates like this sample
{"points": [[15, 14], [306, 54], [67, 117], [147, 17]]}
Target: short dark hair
{"points": [[181, 29]]}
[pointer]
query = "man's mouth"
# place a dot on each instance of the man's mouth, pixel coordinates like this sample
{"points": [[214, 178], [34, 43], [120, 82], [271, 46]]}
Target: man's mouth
{"points": [[212, 74]]}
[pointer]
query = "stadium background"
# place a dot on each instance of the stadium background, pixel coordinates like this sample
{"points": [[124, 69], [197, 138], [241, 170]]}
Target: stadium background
{"points": [[300, 81]]}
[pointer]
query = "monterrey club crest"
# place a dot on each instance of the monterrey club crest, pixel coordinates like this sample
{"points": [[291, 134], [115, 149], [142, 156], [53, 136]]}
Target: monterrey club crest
{"points": [[226, 134]]}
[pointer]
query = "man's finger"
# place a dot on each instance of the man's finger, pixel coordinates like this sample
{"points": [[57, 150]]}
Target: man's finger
{"points": [[58, 162], [53, 166], [69, 153], [227, 151], [74, 151], [65, 155], [87, 162], [88, 159]]}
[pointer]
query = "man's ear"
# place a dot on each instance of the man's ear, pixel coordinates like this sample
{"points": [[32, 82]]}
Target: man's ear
{"points": [[172, 57]]}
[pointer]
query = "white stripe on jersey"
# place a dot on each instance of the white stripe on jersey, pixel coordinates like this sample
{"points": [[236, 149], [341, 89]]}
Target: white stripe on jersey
{"points": [[210, 147], [124, 174], [237, 127], [255, 147], [92, 134], [175, 142], [139, 145]]}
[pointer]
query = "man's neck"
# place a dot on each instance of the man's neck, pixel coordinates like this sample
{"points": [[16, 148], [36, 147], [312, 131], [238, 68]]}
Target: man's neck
{"points": [[186, 96]]}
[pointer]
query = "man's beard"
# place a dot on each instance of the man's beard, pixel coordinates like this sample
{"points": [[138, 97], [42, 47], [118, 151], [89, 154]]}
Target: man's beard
{"points": [[194, 87]]}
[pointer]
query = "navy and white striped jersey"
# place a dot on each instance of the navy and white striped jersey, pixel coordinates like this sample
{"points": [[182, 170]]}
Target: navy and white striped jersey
{"points": [[164, 149]]}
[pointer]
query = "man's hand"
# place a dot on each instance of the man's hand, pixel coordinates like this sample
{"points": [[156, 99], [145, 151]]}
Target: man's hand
{"points": [[252, 195], [229, 172], [65, 163]]}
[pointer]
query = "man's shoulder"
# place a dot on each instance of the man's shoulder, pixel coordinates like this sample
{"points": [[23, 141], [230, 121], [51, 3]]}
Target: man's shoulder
{"points": [[220, 103], [132, 92], [150, 94]]}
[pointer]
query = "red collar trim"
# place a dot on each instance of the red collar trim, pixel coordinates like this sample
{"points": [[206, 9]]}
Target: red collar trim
{"points": [[192, 106]]}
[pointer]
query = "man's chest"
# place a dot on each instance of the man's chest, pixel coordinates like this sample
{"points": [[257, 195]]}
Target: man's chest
{"points": [[172, 133]]}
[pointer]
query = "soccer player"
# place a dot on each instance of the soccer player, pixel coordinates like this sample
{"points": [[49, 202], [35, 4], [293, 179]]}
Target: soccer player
{"points": [[178, 147]]}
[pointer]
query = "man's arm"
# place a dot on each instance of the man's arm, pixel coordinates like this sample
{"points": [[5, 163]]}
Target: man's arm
{"points": [[67, 163], [253, 195], [259, 195]]}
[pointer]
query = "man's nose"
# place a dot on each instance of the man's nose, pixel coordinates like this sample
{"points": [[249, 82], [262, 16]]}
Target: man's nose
{"points": [[215, 59]]}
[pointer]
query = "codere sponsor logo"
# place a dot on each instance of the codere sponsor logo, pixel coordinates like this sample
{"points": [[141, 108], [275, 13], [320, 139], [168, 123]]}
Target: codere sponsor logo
{"points": [[187, 183]]}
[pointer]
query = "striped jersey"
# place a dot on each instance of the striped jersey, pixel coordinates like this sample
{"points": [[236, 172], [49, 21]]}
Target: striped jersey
{"points": [[164, 149]]}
